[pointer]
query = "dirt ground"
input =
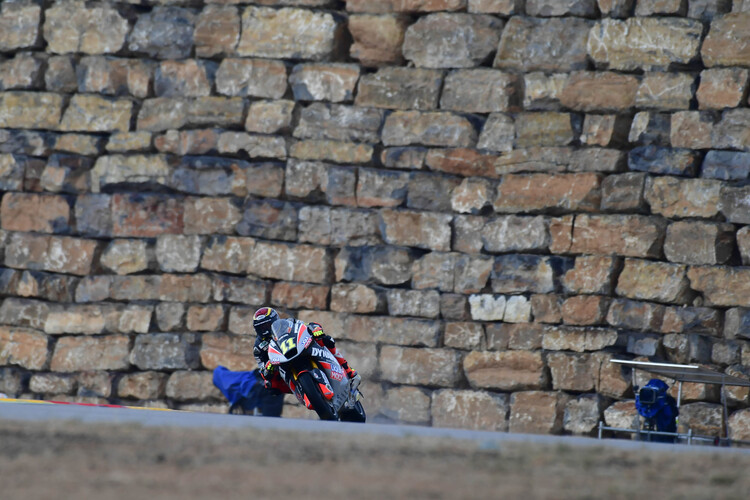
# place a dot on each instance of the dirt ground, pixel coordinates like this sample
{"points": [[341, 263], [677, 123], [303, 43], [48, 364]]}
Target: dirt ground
{"points": [[41, 461]]}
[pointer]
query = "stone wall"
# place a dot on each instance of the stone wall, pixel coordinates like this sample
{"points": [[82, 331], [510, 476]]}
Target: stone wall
{"points": [[484, 200]]}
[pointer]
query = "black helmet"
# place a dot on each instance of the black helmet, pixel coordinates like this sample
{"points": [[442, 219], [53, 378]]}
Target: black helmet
{"points": [[263, 319]]}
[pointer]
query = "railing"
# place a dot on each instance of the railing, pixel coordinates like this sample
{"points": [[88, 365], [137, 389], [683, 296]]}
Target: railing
{"points": [[688, 438]]}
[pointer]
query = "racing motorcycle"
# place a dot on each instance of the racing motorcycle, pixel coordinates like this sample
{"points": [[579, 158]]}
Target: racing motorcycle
{"points": [[313, 374]]}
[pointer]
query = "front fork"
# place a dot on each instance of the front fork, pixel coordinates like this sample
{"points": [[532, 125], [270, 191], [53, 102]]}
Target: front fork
{"points": [[320, 379]]}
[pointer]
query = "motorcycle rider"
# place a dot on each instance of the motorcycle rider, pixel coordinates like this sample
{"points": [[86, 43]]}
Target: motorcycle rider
{"points": [[263, 320]]}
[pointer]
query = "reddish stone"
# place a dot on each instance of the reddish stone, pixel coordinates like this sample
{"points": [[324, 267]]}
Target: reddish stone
{"points": [[146, 215], [585, 310], [300, 295], [34, 212]]}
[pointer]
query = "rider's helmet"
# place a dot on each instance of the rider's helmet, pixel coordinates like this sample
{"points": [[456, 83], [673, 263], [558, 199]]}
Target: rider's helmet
{"points": [[263, 319]]}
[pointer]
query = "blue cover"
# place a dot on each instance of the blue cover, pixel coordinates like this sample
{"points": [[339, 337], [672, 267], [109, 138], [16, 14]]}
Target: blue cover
{"points": [[239, 386], [664, 411]]}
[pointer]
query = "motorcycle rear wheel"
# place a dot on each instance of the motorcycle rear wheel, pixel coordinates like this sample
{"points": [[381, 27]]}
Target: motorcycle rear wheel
{"points": [[320, 405]]}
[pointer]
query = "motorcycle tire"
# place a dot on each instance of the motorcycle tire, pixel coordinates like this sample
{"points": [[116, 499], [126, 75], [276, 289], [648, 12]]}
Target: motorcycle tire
{"points": [[320, 405], [356, 414]]}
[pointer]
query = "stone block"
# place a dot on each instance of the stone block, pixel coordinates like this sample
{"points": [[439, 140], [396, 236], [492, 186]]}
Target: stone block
{"points": [[75, 354], [227, 112], [12, 169], [188, 78], [592, 274], [118, 77], [210, 215], [227, 254], [480, 91], [281, 261], [624, 192], [691, 129], [612, 382], [124, 256], [472, 196], [403, 128], [501, 7], [52, 383], [573, 371], [470, 273], [498, 135], [630, 44], [682, 349], [111, 170], [357, 298], [93, 289], [170, 316], [445, 40], [300, 296], [486, 307], [255, 146], [166, 351], [137, 287], [464, 335], [23, 71], [217, 31], [535, 44], [339, 122], [269, 219], [656, 281], [584, 310], [726, 165], [71, 27], [542, 91], [734, 204], [722, 88], [438, 270], [35, 110], [641, 316], [420, 303], [241, 290], [142, 385], [708, 9], [382, 265], [432, 192], [605, 130], [665, 91], [720, 285], [477, 410], [546, 308], [515, 234], [206, 318], [414, 366], [599, 91], [583, 414], [578, 339], [19, 25], [23, 347], [702, 320], [289, 33], [178, 253], [454, 306], [553, 8], [52, 287], [121, 142], [622, 414], [537, 412], [675, 197], [546, 129], [189, 385], [407, 405], [146, 215], [626, 235], [702, 418], [51, 253], [693, 242], [24, 312], [544, 192], [383, 330], [426, 230], [328, 150], [269, 117], [34, 212], [739, 424], [654, 159], [251, 78], [333, 82], [164, 33], [728, 41], [650, 127], [743, 242], [184, 288], [661, 7], [732, 131], [377, 39]]}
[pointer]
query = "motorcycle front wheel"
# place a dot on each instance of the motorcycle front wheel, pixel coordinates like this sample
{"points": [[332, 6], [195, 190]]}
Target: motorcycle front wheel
{"points": [[320, 405]]}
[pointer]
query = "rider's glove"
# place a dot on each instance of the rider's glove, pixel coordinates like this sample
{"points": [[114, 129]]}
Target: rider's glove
{"points": [[266, 370], [316, 330]]}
